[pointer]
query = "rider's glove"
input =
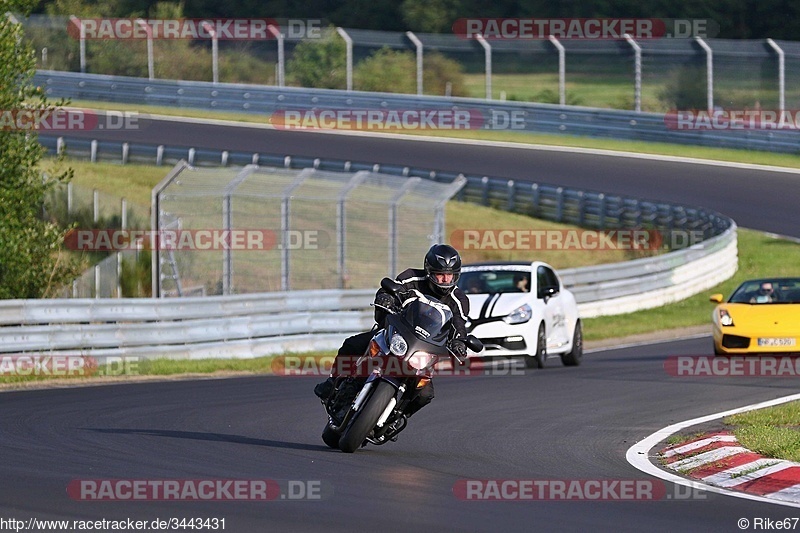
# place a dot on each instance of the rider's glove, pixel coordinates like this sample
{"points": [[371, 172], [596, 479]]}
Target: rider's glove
{"points": [[459, 348], [384, 300]]}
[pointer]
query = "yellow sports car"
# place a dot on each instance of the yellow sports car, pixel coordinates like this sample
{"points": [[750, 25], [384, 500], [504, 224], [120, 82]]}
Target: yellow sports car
{"points": [[762, 315]]}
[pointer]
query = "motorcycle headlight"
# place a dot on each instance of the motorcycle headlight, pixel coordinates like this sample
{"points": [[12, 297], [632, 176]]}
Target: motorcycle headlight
{"points": [[519, 315], [420, 360], [398, 345]]}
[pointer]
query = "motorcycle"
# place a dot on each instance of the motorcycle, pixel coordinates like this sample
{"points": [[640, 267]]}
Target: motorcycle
{"points": [[399, 361]]}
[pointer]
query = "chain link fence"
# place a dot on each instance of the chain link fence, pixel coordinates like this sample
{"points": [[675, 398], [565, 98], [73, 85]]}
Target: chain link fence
{"points": [[112, 275], [745, 74], [259, 229]]}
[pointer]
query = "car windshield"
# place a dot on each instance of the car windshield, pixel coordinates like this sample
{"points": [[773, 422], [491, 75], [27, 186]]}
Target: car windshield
{"points": [[768, 291], [428, 317], [491, 281]]}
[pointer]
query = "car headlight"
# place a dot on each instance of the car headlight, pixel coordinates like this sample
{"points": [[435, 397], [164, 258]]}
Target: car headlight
{"points": [[420, 360], [398, 345], [725, 318], [519, 315]]}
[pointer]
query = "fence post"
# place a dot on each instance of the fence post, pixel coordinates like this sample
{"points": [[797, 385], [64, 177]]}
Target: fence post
{"points": [[69, 198], [214, 51], [487, 48], [82, 36], [95, 206], [709, 73], [781, 74], [349, 44], [150, 63], [418, 44], [562, 70], [637, 73], [281, 61]]}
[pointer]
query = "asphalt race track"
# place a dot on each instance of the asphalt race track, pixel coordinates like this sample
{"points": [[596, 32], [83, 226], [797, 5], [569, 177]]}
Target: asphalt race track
{"points": [[757, 199], [557, 423]]}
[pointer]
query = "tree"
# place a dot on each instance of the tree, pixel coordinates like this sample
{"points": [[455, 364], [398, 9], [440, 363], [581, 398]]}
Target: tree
{"points": [[30, 263]]}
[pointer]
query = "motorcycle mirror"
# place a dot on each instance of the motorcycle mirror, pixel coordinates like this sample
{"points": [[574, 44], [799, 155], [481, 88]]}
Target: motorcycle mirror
{"points": [[474, 344], [391, 285]]}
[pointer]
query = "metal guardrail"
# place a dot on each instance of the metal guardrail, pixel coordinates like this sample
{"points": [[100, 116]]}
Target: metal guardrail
{"points": [[539, 118], [258, 324]]}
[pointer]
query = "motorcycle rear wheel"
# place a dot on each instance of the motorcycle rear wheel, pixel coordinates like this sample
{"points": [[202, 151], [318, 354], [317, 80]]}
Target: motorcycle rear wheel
{"points": [[364, 421]]}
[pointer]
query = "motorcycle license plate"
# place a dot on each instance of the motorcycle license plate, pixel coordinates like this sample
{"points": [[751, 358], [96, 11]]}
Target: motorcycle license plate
{"points": [[776, 341]]}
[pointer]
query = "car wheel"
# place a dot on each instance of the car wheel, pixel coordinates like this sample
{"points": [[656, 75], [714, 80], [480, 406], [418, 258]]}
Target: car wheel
{"points": [[573, 358], [537, 360]]}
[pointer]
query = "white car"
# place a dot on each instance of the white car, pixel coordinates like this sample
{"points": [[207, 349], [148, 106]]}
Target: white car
{"points": [[536, 321]]}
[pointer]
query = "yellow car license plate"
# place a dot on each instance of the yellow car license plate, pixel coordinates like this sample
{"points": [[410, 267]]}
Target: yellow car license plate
{"points": [[776, 341]]}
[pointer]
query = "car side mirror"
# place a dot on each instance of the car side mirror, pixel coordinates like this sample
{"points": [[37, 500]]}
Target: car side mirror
{"points": [[716, 298], [391, 285], [474, 344], [548, 292]]}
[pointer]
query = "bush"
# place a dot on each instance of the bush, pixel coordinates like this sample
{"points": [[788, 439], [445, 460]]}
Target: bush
{"points": [[438, 70], [319, 63], [388, 71]]}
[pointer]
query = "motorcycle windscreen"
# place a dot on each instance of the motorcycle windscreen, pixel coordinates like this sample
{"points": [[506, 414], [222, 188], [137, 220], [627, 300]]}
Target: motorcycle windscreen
{"points": [[430, 320]]}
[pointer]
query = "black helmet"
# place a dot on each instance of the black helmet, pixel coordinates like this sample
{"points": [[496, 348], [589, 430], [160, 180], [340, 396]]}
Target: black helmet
{"points": [[442, 258]]}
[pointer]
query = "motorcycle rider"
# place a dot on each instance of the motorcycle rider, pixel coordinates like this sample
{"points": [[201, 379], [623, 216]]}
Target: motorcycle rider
{"points": [[438, 278]]}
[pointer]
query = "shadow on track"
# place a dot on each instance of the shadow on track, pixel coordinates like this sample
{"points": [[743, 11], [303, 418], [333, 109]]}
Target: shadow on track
{"points": [[213, 437]]}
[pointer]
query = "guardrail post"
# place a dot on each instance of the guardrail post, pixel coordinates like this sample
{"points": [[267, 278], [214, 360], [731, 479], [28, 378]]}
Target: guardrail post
{"points": [[95, 206], [160, 155], [510, 204], [281, 61], [485, 190], [709, 73], [487, 50], [581, 208], [93, 153], [192, 152], [224, 158], [535, 197], [349, 50], [124, 214], [418, 45], [562, 70], [637, 73], [69, 198], [60, 145], [781, 74], [125, 150], [602, 215], [560, 204]]}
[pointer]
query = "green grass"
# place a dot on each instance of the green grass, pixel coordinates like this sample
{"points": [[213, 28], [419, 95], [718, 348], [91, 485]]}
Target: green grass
{"points": [[772, 432]]}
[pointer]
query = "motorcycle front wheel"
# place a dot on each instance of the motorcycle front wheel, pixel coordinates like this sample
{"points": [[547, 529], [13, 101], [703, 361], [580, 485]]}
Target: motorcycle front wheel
{"points": [[364, 421]]}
